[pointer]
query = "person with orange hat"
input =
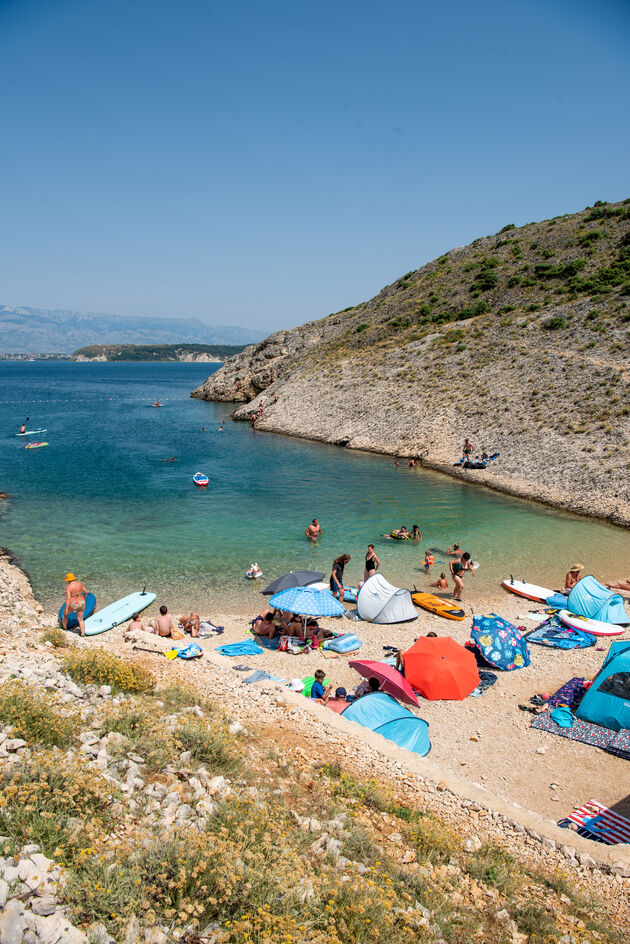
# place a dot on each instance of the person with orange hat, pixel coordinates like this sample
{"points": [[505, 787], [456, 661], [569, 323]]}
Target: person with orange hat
{"points": [[75, 601]]}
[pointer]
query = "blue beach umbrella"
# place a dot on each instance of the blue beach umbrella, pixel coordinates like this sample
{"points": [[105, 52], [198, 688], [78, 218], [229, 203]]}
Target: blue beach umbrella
{"points": [[307, 601], [500, 643]]}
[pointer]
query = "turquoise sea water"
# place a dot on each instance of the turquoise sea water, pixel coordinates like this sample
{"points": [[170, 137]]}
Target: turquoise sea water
{"points": [[99, 500]]}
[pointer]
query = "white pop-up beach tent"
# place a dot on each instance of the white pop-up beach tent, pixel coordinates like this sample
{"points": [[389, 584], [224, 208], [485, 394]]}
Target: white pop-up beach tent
{"points": [[379, 602]]}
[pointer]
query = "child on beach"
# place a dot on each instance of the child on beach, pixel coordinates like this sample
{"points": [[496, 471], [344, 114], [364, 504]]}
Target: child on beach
{"points": [[441, 583], [428, 560], [318, 692]]}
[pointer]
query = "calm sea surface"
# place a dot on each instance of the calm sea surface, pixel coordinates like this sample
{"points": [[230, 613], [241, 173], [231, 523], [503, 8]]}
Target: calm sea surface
{"points": [[99, 500]]}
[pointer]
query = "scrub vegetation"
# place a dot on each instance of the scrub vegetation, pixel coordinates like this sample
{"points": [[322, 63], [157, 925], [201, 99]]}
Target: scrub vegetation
{"points": [[269, 852]]}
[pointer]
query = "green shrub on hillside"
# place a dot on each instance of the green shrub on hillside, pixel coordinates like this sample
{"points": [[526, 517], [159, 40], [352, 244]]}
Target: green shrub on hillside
{"points": [[35, 715], [95, 666], [552, 324]]}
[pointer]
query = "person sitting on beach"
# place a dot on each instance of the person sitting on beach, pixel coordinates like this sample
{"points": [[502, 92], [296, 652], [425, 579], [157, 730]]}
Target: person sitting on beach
{"points": [[456, 552], [441, 583], [137, 624], [457, 569], [312, 629], [314, 530], [416, 534], [367, 686], [338, 703], [318, 692], [190, 624], [265, 625], [336, 577], [163, 624], [75, 602], [296, 626], [572, 577]]}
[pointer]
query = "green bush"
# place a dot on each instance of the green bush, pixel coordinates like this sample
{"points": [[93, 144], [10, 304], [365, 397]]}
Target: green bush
{"points": [[485, 280], [507, 227], [36, 715], [553, 324], [98, 667], [56, 637], [361, 327]]}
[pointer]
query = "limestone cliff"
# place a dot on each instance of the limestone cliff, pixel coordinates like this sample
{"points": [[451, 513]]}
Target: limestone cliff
{"points": [[519, 341]]}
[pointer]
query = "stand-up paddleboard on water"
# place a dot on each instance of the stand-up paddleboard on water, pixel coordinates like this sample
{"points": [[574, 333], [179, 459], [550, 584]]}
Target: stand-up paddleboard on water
{"points": [[528, 590], [90, 603], [588, 625], [428, 601], [32, 432], [118, 612], [200, 479]]}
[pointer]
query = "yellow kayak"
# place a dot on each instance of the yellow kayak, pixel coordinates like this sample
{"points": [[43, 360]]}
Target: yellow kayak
{"points": [[428, 601]]}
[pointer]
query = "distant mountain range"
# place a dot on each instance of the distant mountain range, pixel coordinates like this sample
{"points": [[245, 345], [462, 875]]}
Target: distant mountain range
{"points": [[38, 330]]}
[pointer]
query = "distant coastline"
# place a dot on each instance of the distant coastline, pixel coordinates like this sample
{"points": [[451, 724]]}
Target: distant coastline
{"points": [[195, 353]]}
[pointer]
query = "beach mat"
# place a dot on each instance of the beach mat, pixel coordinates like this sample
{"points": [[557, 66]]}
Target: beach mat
{"points": [[613, 742], [571, 694], [595, 821]]}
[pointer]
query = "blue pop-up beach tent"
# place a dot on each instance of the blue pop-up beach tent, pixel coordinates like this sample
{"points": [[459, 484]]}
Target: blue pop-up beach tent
{"points": [[382, 713], [607, 701], [593, 599]]}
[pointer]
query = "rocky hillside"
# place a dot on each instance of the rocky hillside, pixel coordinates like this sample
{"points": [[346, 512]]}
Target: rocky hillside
{"points": [[519, 341]]}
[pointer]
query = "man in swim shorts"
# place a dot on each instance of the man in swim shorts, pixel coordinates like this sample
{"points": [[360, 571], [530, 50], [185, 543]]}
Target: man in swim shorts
{"points": [[75, 602], [23, 426], [163, 624], [314, 530]]}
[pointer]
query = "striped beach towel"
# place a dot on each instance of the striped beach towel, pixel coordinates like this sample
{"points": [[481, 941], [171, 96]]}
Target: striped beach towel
{"points": [[596, 821]]}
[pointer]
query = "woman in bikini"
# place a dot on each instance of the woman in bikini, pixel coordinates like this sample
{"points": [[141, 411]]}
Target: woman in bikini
{"points": [[457, 570]]}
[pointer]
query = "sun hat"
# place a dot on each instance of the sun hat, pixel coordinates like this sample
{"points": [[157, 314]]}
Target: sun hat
{"points": [[576, 567], [296, 685], [69, 577]]}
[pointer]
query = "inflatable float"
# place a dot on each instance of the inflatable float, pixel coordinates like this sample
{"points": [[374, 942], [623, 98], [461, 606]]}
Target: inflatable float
{"points": [[528, 590], [118, 612], [428, 601], [200, 479], [348, 642], [36, 445], [254, 572], [350, 594], [588, 625], [90, 603]]}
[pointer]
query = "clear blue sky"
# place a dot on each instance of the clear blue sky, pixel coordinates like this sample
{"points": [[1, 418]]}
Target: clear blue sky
{"points": [[264, 163]]}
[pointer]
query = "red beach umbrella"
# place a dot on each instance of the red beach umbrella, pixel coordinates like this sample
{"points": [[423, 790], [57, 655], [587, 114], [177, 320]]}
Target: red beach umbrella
{"points": [[390, 678], [439, 668]]}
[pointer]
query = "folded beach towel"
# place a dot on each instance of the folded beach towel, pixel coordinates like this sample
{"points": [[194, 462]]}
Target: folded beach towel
{"points": [[246, 648]]}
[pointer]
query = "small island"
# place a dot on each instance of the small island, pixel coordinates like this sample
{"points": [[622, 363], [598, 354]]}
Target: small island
{"points": [[157, 352]]}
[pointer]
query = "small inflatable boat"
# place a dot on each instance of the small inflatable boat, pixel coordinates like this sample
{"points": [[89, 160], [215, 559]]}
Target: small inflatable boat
{"points": [[200, 479], [254, 572]]}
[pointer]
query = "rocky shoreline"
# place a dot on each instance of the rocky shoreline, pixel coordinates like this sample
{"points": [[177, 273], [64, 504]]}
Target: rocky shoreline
{"points": [[491, 342]]}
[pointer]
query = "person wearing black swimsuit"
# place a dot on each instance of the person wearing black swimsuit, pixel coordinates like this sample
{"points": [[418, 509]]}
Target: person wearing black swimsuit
{"points": [[457, 570], [371, 563]]}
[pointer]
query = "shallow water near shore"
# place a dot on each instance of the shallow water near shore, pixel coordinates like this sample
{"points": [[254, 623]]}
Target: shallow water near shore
{"points": [[99, 500]]}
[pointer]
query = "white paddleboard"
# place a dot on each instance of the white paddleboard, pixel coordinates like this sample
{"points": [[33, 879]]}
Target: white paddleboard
{"points": [[528, 590], [32, 432], [592, 626], [118, 612]]}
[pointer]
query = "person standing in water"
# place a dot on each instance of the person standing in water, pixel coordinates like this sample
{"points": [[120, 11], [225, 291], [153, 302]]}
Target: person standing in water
{"points": [[75, 602], [372, 563], [314, 530], [336, 577], [457, 571]]}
